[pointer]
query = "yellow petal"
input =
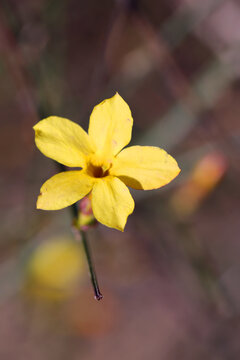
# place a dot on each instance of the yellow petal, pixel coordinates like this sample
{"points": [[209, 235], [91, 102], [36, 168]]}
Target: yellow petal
{"points": [[111, 202], [62, 140], [110, 127], [144, 167], [64, 189]]}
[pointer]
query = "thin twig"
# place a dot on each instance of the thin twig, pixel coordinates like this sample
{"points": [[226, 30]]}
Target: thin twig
{"points": [[98, 295], [81, 235]]}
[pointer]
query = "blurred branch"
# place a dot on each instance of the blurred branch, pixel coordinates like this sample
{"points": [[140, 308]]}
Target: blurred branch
{"points": [[186, 18], [191, 100], [9, 50], [178, 122], [164, 62]]}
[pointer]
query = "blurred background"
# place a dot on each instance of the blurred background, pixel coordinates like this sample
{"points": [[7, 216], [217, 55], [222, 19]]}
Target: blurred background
{"points": [[171, 280]]}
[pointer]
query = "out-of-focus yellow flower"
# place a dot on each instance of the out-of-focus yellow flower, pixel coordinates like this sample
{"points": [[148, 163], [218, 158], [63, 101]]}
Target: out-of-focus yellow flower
{"points": [[55, 267], [106, 170]]}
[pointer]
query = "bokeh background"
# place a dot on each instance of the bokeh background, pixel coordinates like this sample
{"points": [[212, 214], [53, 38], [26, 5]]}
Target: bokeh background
{"points": [[171, 280]]}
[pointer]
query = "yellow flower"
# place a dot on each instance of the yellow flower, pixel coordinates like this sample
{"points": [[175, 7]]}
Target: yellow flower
{"points": [[106, 170], [54, 268]]}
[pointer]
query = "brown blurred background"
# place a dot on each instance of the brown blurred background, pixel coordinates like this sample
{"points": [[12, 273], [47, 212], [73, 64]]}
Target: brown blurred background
{"points": [[171, 280]]}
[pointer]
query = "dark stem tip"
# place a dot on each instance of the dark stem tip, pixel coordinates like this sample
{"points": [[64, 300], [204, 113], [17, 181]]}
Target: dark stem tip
{"points": [[98, 297]]}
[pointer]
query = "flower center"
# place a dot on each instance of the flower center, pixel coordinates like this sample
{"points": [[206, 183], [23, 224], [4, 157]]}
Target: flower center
{"points": [[96, 171], [97, 167]]}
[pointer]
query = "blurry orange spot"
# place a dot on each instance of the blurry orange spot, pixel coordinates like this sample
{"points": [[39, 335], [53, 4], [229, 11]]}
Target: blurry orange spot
{"points": [[204, 177]]}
